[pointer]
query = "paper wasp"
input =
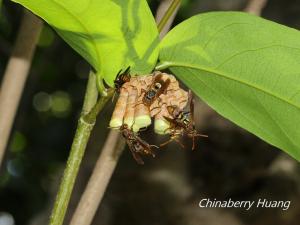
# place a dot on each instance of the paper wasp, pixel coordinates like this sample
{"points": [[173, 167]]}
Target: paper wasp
{"points": [[121, 79], [136, 145], [182, 123], [157, 87]]}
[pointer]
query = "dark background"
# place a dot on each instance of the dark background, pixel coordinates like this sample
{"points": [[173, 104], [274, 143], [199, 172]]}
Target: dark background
{"points": [[231, 163]]}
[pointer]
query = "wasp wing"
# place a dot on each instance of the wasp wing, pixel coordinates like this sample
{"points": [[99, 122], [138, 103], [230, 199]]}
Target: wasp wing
{"points": [[135, 155], [145, 146]]}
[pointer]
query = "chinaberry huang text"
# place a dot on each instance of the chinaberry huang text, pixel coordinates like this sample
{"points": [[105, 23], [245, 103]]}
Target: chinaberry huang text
{"points": [[247, 205]]}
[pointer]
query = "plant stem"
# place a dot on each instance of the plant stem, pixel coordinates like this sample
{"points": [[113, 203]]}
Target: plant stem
{"points": [[99, 179], [16, 73], [78, 147], [91, 116], [91, 94], [169, 13], [255, 6], [85, 125]]}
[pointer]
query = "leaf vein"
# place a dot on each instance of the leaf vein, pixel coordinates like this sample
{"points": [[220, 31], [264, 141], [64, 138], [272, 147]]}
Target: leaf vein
{"points": [[274, 121], [252, 50], [232, 106], [220, 30], [225, 76]]}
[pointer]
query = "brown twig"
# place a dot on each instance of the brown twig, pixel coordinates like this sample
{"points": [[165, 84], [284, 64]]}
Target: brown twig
{"points": [[161, 11], [255, 6], [16, 74], [99, 180]]}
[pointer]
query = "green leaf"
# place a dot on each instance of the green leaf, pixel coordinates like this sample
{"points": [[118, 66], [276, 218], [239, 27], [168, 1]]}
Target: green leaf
{"points": [[246, 68], [110, 34]]}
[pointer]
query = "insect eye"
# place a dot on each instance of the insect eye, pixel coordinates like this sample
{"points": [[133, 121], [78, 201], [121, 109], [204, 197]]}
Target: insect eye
{"points": [[151, 94]]}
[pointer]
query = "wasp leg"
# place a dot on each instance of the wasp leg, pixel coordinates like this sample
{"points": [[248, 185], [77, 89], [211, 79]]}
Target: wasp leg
{"points": [[193, 147], [173, 138], [156, 108], [169, 128], [194, 137], [201, 135], [167, 142], [154, 146], [159, 100], [182, 145]]}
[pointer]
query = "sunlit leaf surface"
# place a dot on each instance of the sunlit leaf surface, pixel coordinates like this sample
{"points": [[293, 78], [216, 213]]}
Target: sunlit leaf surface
{"points": [[246, 68], [110, 34]]}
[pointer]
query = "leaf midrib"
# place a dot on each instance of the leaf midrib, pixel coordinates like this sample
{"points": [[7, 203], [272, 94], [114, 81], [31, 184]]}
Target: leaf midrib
{"points": [[166, 64]]}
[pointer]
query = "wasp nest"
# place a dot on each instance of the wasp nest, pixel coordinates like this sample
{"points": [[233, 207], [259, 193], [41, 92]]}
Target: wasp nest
{"points": [[131, 110]]}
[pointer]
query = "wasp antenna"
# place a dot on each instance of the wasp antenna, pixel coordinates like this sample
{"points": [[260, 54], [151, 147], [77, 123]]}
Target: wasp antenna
{"points": [[127, 69], [119, 72]]}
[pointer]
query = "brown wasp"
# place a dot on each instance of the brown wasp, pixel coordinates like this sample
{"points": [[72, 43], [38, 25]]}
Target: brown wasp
{"points": [[122, 78], [136, 145], [182, 123], [157, 87]]}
